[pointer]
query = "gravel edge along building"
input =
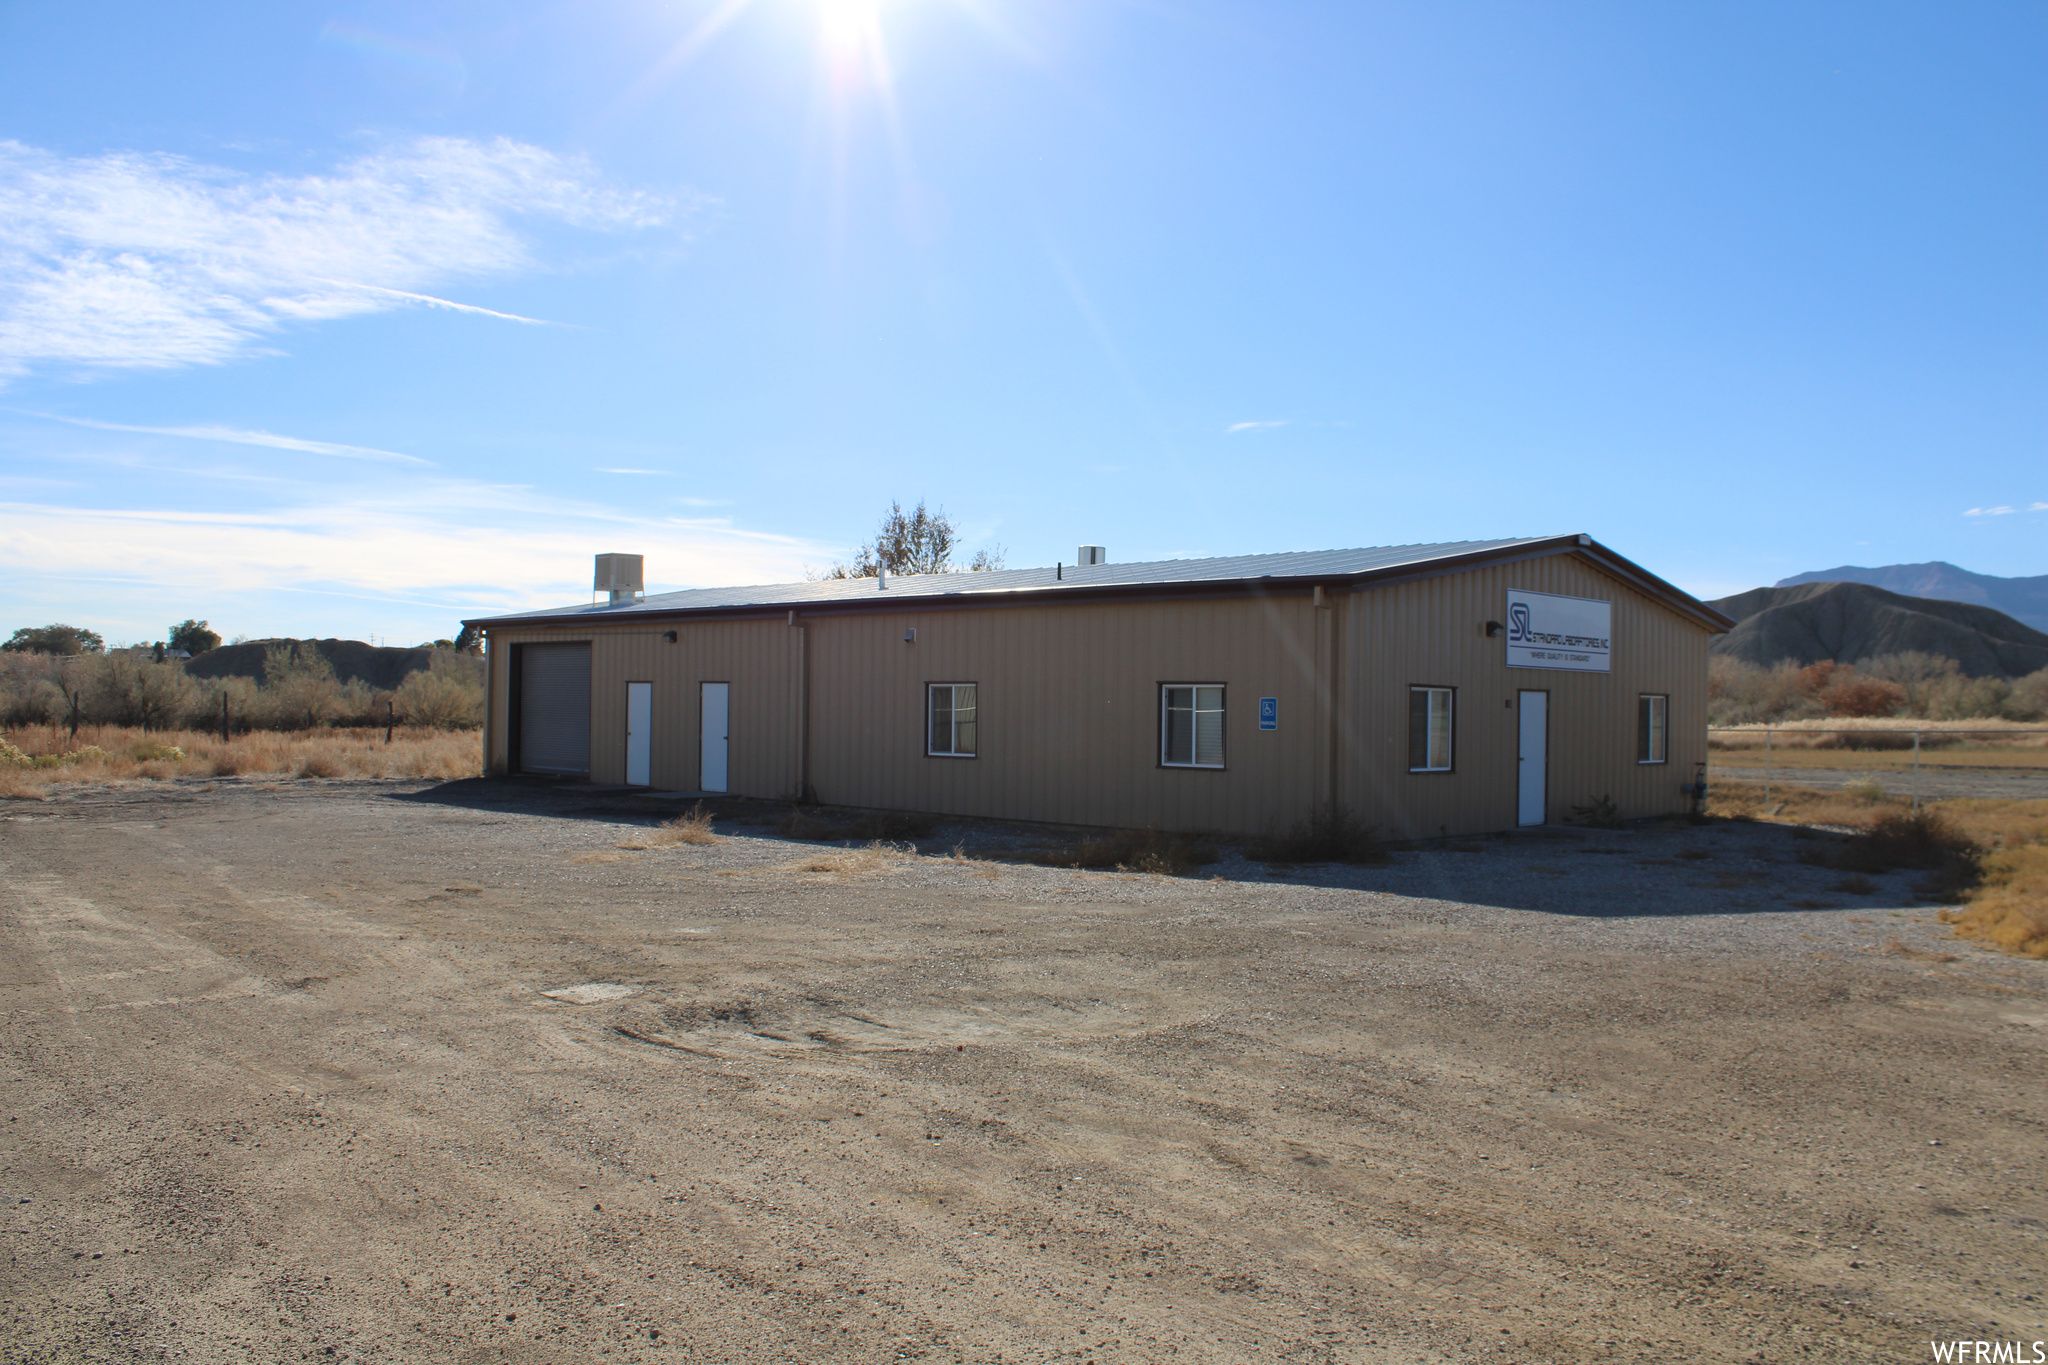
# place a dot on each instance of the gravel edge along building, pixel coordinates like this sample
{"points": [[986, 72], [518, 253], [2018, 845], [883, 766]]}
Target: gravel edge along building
{"points": [[1425, 689]]}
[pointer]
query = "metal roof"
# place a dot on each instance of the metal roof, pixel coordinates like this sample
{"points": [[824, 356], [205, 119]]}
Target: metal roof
{"points": [[1331, 566]]}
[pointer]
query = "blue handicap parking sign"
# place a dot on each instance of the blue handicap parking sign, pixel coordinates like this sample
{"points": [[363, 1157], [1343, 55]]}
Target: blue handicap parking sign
{"points": [[1269, 713]]}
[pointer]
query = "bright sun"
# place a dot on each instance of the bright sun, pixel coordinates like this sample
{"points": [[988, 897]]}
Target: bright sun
{"points": [[850, 28]]}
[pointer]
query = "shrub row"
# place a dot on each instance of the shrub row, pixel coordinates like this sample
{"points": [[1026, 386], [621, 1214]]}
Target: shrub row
{"points": [[1917, 685], [298, 691]]}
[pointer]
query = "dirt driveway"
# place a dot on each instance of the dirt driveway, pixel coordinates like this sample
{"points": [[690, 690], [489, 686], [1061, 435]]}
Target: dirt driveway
{"points": [[281, 1082]]}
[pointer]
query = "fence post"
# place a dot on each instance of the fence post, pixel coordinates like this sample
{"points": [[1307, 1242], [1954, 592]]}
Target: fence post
{"points": [[390, 719], [1916, 772], [1767, 770], [224, 716]]}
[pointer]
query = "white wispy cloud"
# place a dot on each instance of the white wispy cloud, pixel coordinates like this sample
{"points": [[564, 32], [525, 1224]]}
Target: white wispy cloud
{"points": [[430, 301], [1989, 512], [662, 472], [1236, 427], [241, 437], [133, 260], [481, 546]]}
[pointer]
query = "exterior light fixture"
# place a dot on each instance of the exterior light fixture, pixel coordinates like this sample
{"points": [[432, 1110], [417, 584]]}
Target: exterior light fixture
{"points": [[1493, 628]]}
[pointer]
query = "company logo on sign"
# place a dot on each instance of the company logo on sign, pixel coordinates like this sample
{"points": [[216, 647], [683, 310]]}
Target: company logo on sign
{"points": [[1549, 631]]}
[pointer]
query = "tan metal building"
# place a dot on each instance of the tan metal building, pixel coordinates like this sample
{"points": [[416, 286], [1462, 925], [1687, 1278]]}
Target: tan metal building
{"points": [[1427, 689]]}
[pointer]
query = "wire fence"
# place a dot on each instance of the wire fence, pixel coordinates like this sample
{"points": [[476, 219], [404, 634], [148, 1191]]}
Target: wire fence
{"points": [[1768, 730]]}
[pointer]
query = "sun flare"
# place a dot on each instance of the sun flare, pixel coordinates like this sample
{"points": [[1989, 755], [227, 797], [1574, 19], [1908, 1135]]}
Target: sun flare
{"points": [[850, 33]]}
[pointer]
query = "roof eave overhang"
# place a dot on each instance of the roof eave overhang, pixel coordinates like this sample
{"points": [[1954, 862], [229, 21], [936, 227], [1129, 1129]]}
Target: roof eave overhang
{"points": [[1633, 574]]}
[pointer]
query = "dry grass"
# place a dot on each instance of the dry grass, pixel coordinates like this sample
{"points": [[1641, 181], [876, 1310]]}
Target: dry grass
{"points": [[815, 826], [693, 827], [978, 867], [1900, 948], [1166, 855], [1926, 840], [1332, 836], [1991, 855], [876, 857], [1953, 738], [1798, 805], [1963, 757], [37, 758], [2010, 909]]}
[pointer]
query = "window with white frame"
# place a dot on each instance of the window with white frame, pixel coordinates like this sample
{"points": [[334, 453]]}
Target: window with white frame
{"points": [[1429, 729], [1191, 725], [1652, 728], [950, 707]]}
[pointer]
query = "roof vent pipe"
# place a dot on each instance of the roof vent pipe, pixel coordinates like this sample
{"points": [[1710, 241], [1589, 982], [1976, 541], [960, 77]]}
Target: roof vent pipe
{"points": [[881, 578], [1091, 554]]}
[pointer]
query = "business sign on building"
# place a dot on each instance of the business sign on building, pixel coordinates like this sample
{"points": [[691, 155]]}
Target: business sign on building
{"points": [[1548, 631]]}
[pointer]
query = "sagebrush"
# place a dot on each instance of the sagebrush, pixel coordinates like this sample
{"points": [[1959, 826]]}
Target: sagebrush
{"points": [[33, 759], [298, 691]]}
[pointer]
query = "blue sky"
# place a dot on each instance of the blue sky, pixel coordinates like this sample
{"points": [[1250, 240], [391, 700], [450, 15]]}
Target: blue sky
{"points": [[354, 319]]}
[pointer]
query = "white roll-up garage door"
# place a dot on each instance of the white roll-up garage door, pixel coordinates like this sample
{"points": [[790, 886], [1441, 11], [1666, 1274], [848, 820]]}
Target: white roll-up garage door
{"points": [[554, 709]]}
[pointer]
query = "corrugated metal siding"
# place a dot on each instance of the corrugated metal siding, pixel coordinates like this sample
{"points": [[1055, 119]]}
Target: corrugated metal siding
{"points": [[1068, 711], [756, 657], [1068, 699], [1432, 631]]}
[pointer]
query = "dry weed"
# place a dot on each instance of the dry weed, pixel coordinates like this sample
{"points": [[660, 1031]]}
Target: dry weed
{"points": [[113, 753], [1795, 805], [876, 857], [884, 826], [693, 827], [1165, 855], [20, 788], [978, 867], [1900, 948], [1927, 840], [1329, 836], [2010, 908], [1883, 733]]}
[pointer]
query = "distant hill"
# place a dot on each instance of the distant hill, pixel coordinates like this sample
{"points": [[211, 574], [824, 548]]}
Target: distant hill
{"points": [[1851, 621], [2023, 599], [382, 667]]}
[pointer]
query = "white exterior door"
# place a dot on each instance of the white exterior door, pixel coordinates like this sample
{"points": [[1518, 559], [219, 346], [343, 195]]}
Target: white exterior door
{"points": [[639, 733], [1532, 773], [711, 775]]}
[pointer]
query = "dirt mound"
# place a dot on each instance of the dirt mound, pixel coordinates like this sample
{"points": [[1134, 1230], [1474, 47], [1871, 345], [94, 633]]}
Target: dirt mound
{"points": [[1849, 621], [380, 666]]}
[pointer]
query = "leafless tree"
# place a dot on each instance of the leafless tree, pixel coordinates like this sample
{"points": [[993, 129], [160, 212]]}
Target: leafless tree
{"points": [[916, 542]]}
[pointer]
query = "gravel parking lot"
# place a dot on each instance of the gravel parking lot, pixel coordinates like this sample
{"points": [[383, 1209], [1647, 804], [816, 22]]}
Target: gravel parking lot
{"points": [[394, 1072]]}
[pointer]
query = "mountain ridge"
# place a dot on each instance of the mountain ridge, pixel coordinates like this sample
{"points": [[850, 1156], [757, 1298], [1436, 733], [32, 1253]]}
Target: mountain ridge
{"points": [[1847, 622], [2023, 599]]}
